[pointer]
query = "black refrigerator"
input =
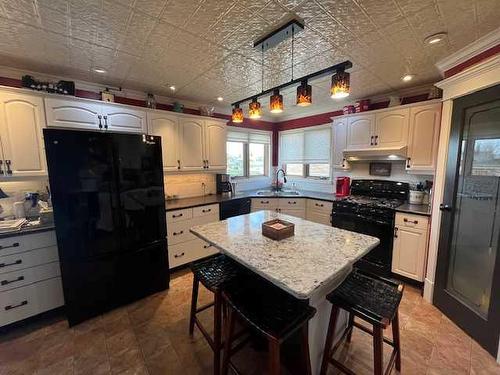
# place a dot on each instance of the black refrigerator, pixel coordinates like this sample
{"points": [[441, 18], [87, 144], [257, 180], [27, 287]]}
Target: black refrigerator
{"points": [[109, 211]]}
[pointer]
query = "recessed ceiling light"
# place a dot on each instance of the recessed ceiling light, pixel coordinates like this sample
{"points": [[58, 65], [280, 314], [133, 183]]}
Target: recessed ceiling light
{"points": [[172, 87], [99, 70], [435, 38], [220, 98], [407, 77]]}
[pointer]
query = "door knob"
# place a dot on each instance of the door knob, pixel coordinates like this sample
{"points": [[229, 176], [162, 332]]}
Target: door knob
{"points": [[444, 207]]}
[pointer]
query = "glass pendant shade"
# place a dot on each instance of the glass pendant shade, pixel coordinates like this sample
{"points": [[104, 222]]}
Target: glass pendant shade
{"points": [[254, 109], [276, 102], [304, 94], [340, 85], [237, 116]]}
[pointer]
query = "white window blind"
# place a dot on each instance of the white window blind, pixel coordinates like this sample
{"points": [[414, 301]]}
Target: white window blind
{"points": [[317, 146], [292, 147], [249, 136]]}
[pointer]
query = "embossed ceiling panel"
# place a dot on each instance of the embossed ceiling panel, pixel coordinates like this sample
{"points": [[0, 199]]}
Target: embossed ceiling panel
{"points": [[205, 47]]}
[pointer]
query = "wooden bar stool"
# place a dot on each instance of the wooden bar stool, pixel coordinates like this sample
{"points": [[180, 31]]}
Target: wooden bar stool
{"points": [[269, 312], [374, 300], [213, 273]]}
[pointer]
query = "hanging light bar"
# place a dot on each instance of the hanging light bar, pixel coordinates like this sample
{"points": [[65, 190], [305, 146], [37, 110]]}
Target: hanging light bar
{"points": [[276, 102], [237, 116], [254, 109], [304, 94], [341, 82]]}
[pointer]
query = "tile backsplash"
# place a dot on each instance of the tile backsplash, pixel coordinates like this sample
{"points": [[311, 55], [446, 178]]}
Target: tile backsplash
{"points": [[189, 185], [16, 191]]}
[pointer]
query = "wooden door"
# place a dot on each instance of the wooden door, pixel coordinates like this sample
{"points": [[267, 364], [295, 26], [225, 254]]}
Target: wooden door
{"points": [[123, 119], [360, 130], [409, 251], [191, 144], [167, 127], [75, 114], [215, 145], [339, 143], [423, 137], [21, 123], [391, 128]]}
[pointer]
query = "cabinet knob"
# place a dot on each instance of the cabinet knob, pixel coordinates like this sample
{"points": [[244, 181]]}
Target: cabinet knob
{"points": [[178, 233], [396, 232], [207, 210], [178, 255], [100, 123], [371, 140], [408, 165], [178, 164], [105, 122], [8, 163], [1, 168], [376, 140]]}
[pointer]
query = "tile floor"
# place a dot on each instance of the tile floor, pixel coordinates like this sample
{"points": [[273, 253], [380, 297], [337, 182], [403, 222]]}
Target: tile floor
{"points": [[150, 337]]}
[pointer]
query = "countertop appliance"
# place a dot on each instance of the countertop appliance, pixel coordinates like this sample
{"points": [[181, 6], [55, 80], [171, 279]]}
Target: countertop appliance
{"points": [[235, 207], [109, 210], [223, 183], [343, 184], [370, 209]]}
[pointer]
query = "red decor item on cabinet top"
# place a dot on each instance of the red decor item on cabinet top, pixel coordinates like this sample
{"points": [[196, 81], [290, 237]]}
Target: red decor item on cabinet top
{"points": [[343, 186], [362, 105]]}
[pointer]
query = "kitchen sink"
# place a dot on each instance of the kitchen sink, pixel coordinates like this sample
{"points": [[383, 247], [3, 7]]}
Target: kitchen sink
{"points": [[278, 193]]}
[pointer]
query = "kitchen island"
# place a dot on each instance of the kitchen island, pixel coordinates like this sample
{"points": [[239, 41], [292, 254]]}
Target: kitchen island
{"points": [[308, 265]]}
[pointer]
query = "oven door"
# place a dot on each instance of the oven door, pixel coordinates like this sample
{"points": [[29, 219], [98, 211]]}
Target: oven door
{"points": [[379, 259]]}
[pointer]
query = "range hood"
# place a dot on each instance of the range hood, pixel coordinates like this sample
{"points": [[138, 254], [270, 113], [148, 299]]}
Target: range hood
{"points": [[397, 153]]}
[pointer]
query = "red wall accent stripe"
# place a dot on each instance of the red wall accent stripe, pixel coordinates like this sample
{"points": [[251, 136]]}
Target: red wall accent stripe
{"points": [[472, 61]]}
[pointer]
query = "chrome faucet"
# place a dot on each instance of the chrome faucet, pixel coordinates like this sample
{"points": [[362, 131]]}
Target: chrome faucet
{"points": [[277, 177]]}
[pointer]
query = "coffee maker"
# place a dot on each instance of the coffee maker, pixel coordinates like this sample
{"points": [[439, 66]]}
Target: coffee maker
{"points": [[343, 186], [223, 184]]}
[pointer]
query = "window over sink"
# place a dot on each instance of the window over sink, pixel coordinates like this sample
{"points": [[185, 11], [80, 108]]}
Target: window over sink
{"points": [[248, 153]]}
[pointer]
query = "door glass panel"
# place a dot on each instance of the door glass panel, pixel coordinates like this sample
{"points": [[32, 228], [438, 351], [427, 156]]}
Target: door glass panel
{"points": [[474, 240]]}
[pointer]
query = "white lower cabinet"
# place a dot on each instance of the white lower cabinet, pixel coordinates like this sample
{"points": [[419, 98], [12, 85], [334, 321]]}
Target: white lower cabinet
{"points": [[409, 254], [288, 206], [183, 246], [319, 211], [30, 281]]}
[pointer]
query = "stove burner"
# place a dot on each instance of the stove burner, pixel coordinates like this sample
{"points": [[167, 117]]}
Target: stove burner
{"points": [[374, 201]]}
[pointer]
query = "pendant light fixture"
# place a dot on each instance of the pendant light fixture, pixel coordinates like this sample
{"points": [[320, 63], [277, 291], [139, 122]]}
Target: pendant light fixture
{"points": [[254, 109], [276, 102], [340, 84], [304, 94], [237, 116]]}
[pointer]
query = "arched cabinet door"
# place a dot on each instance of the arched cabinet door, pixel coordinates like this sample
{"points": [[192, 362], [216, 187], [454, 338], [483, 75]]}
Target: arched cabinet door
{"points": [[21, 124], [360, 130], [120, 118], [191, 143], [391, 128], [167, 127], [215, 145], [74, 114]]}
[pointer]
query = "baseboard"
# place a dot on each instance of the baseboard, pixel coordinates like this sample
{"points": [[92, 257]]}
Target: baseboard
{"points": [[428, 290]]}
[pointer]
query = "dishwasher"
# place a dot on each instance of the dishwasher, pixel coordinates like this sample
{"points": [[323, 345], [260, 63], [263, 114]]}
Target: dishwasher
{"points": [[234, 207]]}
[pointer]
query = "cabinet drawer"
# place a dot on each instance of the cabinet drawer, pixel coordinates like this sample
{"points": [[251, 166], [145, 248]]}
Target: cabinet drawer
{"points": [[19, 244], [412, 221], [179, 215], [292, 203], [319, 217], [319, 206], [189, 251], [179, 232], [15, 262], [28, 276], [293, 212], [212, 209], [20, 303], [264, 203]]}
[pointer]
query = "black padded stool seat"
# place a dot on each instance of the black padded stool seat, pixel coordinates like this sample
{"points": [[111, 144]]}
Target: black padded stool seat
{"points": [[375, 300], [270, 312], [213, 272]]}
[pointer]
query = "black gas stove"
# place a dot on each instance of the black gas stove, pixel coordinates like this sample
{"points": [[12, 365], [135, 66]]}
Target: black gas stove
{"points": [[370, 209]]}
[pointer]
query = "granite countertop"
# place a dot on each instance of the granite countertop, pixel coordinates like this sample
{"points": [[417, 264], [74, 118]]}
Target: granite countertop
{"points": [[418, 209], [316, 255], [176, 204], [29, 228]]}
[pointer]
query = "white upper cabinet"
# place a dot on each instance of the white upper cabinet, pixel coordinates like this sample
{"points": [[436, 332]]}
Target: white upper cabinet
{"points": [[360, 129], [391, 128], [423, 137], [123, 119], [21, 137], [215, 145], [167, 127], [339, 143], [191, 144], [86, 114], [67, 113]]}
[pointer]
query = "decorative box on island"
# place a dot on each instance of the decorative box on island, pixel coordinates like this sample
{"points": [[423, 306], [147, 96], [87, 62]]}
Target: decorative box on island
{"points": [[278, 229]]}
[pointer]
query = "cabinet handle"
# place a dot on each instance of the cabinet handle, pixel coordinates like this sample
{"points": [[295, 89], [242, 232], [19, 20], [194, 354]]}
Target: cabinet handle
{"points": [[410, 221], [100, 123], [8, 163], [6, 282], [206, 246], [105, 122], [264, 202], [207, 210], [293, 202], [408, 165], [10, 307], [178, 255], [1, 168], [376, 140], [15, 244], [178, 215], [178, 233], [396, 232], [318, 205], [371, 140], [2, 265], [208, 164], [204, 164], [178, 164]]}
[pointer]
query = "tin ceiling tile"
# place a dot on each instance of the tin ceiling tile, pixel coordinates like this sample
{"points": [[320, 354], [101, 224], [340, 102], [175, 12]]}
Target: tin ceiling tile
{"points": [[381, 12], [152, 8], [137, 32], [178, 12]]}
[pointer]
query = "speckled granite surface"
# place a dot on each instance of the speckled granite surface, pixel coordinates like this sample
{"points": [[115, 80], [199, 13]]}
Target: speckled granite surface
{"points": [[29, 229], [418, 209], [314, 256]]}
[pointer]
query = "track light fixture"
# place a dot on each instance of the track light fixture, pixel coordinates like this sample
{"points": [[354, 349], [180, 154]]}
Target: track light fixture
{"points": [[341, 82], [237, 116], [254, 109], [304, 94], [276, 102]]}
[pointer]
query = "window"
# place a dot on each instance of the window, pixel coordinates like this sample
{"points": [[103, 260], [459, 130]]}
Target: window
{"points": [[306, 152], [248, 153]]}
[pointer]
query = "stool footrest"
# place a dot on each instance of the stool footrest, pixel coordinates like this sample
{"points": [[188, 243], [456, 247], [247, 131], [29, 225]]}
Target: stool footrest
{"points": [[369, 331], [203, 308]]}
